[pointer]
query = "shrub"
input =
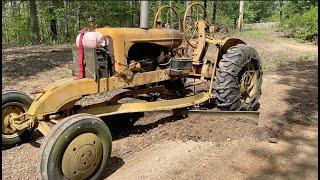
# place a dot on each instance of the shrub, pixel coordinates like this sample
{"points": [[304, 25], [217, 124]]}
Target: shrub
{"points": [[303, 25]]}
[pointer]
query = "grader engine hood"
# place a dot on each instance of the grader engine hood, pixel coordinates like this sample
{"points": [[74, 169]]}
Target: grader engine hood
{"points": [[126, 37]]}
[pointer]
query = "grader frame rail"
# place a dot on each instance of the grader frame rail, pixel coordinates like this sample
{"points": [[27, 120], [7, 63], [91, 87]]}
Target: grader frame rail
{"points": [[153, 62]]}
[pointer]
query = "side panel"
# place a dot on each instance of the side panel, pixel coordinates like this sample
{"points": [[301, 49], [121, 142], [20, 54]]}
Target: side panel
{"points": [[59, 93], [117, 82]]}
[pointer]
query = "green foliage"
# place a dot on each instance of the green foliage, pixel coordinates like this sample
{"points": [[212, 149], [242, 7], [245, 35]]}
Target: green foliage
{"points": [[263, 34], [303, 24], [15, 31], [256, 11], [273, 64], [299, 17], [227, 12], [305, 57]]}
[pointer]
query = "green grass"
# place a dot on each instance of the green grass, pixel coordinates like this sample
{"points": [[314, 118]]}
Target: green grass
{"points": [[273, 64], [264, 34], [305, 57]]}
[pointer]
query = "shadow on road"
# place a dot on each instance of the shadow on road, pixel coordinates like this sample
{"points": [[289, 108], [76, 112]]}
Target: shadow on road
{"points": [[119, 131], [295, 155], [115, 163], [302, 97], [18, 66]]}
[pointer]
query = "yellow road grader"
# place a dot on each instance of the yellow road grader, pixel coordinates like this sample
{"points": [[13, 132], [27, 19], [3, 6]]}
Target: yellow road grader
{"points": [[157, 65]]}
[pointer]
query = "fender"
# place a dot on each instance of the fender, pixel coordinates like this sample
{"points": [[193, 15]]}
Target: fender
{"points": [[60, 93], [225, 45]]}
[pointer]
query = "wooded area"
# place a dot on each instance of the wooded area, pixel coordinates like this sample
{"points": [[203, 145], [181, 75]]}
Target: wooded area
{"points": [[58, 21]]}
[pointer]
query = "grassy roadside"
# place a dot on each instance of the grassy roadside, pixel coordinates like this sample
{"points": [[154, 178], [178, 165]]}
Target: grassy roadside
{"points": [[275, 49]]}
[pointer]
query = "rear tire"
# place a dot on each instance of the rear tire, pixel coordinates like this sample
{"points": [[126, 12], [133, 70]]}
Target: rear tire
{"points": [[239, 79]]}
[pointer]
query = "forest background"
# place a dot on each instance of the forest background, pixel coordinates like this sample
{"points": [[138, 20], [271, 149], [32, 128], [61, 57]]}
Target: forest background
{"points": [[59, 21]]}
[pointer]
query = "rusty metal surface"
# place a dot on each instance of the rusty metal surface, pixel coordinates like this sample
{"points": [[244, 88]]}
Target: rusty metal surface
{"points": [[201, 20], [89, 60], [157, 21]]}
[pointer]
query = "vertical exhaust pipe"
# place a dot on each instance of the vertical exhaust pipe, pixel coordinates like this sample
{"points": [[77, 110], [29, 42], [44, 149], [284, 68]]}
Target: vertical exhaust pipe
{"points": [[144, 11]]}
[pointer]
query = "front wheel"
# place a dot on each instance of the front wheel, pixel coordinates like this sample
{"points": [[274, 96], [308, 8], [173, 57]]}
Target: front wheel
{"points": [[14, 103], [78, 147], [239, 79]]}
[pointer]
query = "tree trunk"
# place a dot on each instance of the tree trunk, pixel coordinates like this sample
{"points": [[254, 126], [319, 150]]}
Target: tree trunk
{"points": [[53, 23], [132, 14], [78, 19], [205, 4], [241, 8], [170, 4], [214, 11], [280, 13], [12, 8], [35, 38], [65, 6]]}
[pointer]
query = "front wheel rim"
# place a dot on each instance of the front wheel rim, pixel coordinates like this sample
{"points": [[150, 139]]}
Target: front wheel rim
{"points": [[9, 110], [82, 156]]}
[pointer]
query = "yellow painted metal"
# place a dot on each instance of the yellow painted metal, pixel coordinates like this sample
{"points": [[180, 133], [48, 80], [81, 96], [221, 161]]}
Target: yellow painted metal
{"points": [[43, 128], [118, 82], [60, 93], [214, 41], [63, 93], [124, 38], [82, 156], [186, 15], [226, 44], [8, 112], [201, 41], [147, 106]]}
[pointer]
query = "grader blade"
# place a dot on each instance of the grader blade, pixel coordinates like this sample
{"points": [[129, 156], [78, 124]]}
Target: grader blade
{"points": [[146, 106]]}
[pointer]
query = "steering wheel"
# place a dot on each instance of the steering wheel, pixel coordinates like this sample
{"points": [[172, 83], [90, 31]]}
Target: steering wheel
{"points": [[195, 12], [164, 18]]}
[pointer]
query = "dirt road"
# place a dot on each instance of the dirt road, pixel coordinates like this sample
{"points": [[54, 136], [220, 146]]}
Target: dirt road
{"points": [[283, 146]]}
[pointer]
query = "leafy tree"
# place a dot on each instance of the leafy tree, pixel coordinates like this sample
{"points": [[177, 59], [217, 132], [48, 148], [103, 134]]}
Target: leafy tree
{"points": [[228, 12], [61, 20], [256, 11], [303, 25]]}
